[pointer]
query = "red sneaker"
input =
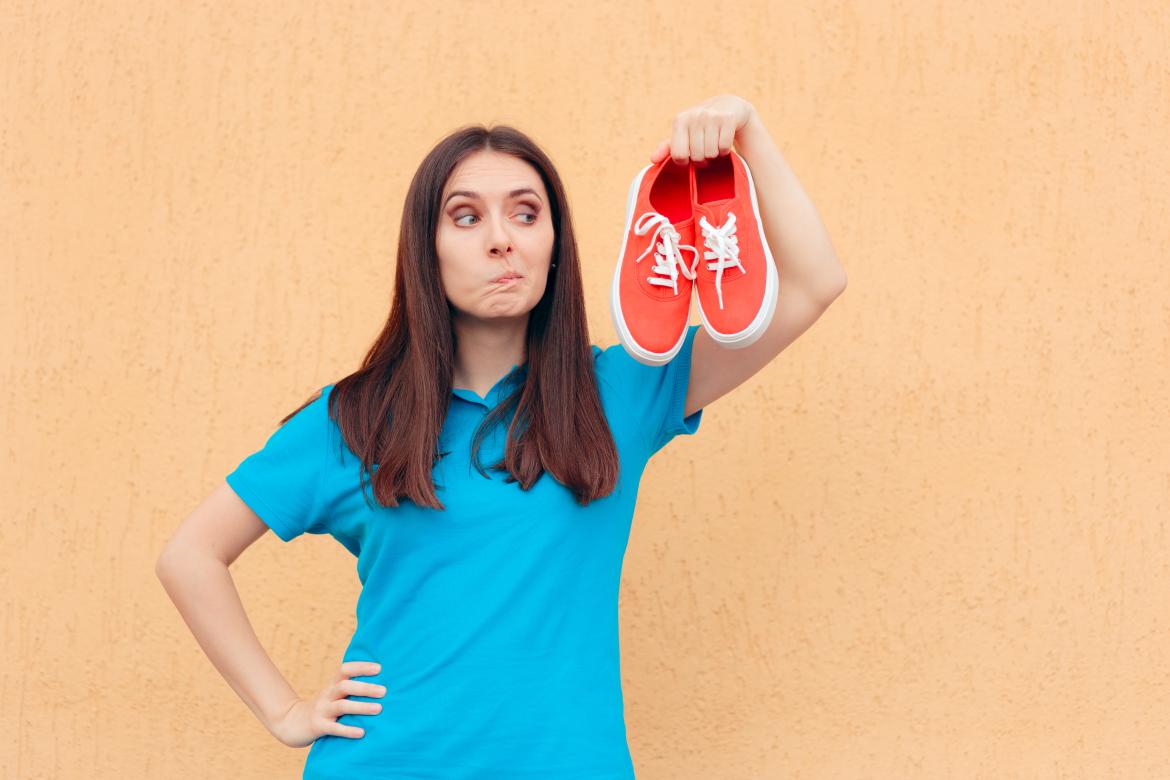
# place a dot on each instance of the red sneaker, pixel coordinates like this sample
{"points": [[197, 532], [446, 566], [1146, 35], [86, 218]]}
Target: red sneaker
{"points": [[737, 282], [651, 293]]}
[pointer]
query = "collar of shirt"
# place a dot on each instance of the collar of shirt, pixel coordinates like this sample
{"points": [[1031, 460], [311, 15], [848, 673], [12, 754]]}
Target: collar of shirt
{"points": [[502, 386]]}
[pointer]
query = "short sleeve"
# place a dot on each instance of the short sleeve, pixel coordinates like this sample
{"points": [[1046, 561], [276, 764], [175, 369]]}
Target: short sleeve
{"points": [[282, 481], [650, 399]]}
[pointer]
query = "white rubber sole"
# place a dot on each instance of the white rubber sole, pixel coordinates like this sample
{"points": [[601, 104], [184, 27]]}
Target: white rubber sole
{"points": [[627, 340], [763, 318]]}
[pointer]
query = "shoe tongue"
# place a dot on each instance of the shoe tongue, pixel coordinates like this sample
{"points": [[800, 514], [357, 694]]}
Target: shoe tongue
{"points": [[716, 211], [686, 228]]}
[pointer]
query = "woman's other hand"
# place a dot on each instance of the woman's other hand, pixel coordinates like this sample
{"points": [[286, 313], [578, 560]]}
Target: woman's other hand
{"points": [[307, 719]]}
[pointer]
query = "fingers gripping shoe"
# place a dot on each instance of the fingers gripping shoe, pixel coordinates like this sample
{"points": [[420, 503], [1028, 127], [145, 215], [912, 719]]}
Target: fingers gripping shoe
{"points": [[737, 284], [650, 297]]}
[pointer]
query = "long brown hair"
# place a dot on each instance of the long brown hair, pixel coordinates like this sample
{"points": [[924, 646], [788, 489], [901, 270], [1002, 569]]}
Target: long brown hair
{"points": [[391, 410]]}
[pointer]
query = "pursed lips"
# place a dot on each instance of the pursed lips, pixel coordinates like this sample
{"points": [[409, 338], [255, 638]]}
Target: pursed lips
{"points": [[506, 278]]}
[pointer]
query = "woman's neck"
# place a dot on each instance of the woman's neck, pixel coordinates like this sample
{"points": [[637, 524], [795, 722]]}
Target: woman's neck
{"points": [[486, 350]]}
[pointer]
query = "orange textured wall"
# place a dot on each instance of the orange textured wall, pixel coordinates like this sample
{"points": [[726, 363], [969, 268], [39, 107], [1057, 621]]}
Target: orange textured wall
{"points": [[930, 540]]}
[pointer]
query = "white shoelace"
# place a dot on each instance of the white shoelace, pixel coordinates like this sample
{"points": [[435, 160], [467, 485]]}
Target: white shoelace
{"points": [[667, 250], [724, 247]]}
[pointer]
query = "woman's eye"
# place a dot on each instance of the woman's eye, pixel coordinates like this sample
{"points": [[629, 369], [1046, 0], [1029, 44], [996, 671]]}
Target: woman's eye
{"points": [[525, 214]]}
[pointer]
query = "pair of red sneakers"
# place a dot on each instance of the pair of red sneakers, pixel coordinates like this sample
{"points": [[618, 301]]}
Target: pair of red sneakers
{"points": [[669, 208]]}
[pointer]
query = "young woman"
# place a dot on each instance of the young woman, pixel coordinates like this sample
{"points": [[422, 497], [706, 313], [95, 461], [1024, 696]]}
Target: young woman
{"points": [[482, 465]]}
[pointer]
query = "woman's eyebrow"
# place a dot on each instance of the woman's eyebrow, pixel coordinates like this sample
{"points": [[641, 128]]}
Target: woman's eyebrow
{"points": [[475, 195]]}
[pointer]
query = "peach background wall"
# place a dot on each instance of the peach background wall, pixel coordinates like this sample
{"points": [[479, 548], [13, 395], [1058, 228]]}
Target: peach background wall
{"points": [[930, 540]]}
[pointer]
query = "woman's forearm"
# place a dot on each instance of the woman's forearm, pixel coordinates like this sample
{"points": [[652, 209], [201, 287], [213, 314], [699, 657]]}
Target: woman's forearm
{"points": [[203, 590], [791, 223]]}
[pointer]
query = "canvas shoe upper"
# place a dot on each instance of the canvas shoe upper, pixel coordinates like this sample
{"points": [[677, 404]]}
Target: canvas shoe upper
{"points": [[736, 284], [650, 297]]}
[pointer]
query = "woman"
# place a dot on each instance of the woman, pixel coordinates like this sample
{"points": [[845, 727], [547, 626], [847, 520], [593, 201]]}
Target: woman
{"points": [[482, 465]]}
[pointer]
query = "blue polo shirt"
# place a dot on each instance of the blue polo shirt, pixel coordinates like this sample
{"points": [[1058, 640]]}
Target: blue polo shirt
{"points": [[495, 620]]}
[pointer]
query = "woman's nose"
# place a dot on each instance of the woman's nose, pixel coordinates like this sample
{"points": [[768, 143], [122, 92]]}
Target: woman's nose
{"points": [[500, 238]]}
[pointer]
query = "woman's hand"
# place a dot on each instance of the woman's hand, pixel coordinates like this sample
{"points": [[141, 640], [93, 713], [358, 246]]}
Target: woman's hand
{"points": [[705, 131], [308, 719]]}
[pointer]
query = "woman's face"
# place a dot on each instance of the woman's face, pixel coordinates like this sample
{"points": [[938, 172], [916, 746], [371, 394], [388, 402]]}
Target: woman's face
{"points": [[493, 231]]}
